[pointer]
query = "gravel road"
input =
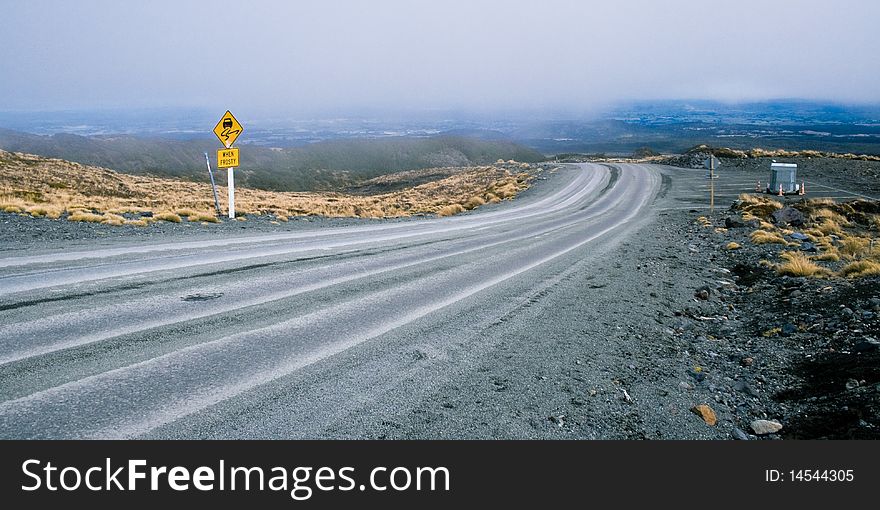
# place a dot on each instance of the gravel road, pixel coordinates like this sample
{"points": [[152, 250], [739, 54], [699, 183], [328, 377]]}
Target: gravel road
{"points": [[551, 316]]}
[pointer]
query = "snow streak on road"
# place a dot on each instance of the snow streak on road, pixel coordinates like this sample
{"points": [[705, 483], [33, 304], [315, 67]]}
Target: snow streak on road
{"points": [[132, 340]]}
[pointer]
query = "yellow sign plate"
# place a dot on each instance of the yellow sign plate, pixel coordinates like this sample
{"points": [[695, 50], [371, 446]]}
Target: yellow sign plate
{"points": [[227, 158], [228, 129]]}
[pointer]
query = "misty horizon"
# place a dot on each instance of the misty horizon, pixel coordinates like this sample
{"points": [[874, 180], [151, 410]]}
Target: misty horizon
{"points": [[558, 58]]}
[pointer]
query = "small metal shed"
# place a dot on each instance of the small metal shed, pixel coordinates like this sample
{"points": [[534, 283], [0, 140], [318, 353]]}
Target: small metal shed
{"points": [[784, 174]]}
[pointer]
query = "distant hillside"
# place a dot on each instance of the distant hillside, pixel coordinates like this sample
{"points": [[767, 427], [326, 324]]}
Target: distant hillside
{"points": [[320, 166], [54, 188]]}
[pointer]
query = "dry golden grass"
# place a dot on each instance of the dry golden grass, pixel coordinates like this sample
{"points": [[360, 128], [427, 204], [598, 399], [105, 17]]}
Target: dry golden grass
{"points": [[765, 237], [86, 217], [861, 268], [733, 246], [167, 216], [201, 217], [827, 256], [828, 227], [855, 247], [820, 202], [86, 193], [798, 264], [48, 211], [450, 210], [825, 213], [474, 202]]}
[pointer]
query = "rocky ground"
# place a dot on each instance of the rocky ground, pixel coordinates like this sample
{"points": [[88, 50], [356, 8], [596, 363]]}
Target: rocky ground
{"points": [[801, 353]]}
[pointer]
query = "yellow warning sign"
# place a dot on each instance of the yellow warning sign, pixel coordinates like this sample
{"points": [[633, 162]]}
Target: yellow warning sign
{"points": [[227, 158], [228, 129]]}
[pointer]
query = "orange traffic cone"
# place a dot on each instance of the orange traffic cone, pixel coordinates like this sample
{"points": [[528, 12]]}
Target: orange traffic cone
{"points": [[781, 194]]}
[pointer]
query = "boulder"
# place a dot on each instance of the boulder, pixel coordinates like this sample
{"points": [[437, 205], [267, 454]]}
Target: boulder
{"points": [[788, 216], [764, 427]]}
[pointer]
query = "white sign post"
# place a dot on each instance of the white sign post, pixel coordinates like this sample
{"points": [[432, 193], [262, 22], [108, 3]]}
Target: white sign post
{"points": [[227, 131], [711, 163], [231, 185]]}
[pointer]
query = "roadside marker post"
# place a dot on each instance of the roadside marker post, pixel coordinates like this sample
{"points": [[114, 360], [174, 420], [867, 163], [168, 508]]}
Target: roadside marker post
{"points": [[227, 131], [710, 163], [231, 185], [213, 186]]}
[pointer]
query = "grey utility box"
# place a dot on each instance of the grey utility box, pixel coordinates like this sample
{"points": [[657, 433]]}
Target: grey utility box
{"points": [[784, 174]]}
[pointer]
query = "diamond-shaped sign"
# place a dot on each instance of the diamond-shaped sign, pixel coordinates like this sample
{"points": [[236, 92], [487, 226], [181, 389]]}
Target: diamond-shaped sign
{"points": [[228, 129]]}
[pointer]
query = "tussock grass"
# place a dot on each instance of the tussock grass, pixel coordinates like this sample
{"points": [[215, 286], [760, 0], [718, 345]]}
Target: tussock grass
{"points": [[747, 198], [26, 181], [819, 202], [828, 227], [474, 202], [112, 219], [825, 213], [201, 217], [830, 255], [855, 247], [86, 217], [798, 264], [450, 210], [733, 246], [186, 212], [765, 237], [47, 211], [860, 269], [764, 210], [167, 216]]}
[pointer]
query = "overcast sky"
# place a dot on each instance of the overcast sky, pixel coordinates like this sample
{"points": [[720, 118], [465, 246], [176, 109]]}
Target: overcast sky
{"points": [[304, 55]]}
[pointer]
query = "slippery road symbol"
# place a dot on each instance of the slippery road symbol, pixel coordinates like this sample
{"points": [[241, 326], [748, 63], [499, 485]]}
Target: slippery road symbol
{"points": [[228, 132], [228, 129]]}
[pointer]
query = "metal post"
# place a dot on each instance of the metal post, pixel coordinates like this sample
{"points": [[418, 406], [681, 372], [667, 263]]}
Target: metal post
{"points": [[712, 183], [231, 183], [213, 186]]}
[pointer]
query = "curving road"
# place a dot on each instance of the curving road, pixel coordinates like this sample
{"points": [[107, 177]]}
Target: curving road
{"points": [[294, 334]]}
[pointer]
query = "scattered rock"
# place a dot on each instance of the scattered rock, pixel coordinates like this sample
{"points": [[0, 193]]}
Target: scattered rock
{"points": [[809, 247], [746, 388], [797, 236], [789, 216], [764, 427], [852, 384], [703, 293], [706, 413], [733, 223], [740, 435], [866, 345], [747, 361]]}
